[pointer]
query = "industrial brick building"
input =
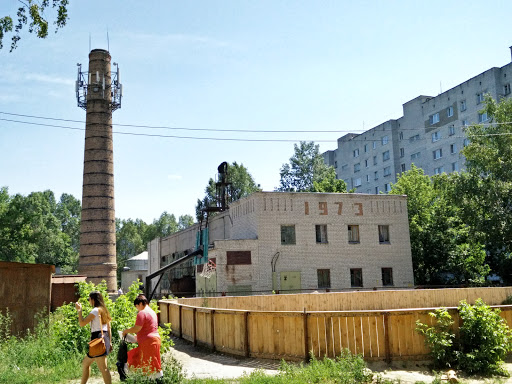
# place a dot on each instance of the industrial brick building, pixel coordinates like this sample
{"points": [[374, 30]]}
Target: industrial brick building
{"points": [[430, 135], [291, 242]]}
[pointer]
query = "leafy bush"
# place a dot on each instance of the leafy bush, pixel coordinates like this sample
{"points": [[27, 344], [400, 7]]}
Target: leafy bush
{"points": [[483, 342], [439, 338], [485, 338]]}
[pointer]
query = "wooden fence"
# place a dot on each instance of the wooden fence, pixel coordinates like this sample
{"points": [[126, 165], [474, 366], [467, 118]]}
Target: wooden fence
{"points": [[292, 335]]}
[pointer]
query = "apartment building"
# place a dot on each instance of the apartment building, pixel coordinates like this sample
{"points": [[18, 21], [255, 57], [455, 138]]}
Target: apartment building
{"points": [[290, 242], [430, 135]]}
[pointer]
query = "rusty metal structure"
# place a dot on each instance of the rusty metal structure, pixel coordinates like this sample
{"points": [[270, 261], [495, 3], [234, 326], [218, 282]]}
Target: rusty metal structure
{"points": [[99, 92]]}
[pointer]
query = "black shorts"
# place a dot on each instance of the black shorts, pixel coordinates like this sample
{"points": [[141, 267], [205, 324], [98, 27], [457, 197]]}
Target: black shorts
{"points": [[95, 335]]}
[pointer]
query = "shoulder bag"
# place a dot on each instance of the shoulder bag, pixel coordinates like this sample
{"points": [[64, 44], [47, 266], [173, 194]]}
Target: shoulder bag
{"points": [[97, 346]]}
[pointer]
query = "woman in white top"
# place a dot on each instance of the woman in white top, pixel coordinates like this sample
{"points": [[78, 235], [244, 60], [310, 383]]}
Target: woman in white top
{"points": [[98, 312]]}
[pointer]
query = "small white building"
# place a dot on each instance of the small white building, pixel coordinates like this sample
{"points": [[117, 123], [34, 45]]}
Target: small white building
{"points": [[290, 242], [136, 268]]}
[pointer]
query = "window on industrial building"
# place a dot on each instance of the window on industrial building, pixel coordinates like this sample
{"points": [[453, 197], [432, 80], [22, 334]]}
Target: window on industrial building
{"points": [[506, 89], [480, 98], [466, 142], [463, 105], [356, 152], [449, 112], [357, 167], [353, 233], [402, 152], [287, 234], [357, 182], [415, 155], [387, 171], [453, 148], [387, 187], [344, 167], [438, 153], [374, 145], [387, 277], [321, 233], [452, 130], [401, 136], [464, 123], [402, 167], [383, 234], [414, 138], [385, 140], [238, 257], [324, 278], [376, 175], [366, 147], [434, 118], [438, 170], [356, 277], [366, 163], [436, 136], [385, 156], [374, 160], [376, 190], [335, 164], [482, 117], [367, 178], [455, 166]]}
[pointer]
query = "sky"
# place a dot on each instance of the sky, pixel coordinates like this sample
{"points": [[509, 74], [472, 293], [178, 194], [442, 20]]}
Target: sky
{"points": [[284, 70]]}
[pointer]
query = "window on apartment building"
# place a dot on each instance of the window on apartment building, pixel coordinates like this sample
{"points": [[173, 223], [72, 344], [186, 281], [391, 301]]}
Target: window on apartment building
{"points": [[401, 136], [383, 234], [357, 167], [480, 98], [438, 153], [353, 233], [356, 152], [506, 89], [367, 178], [482, 117], [321, 233], [387, 171], [356, 277], [466, 142], [366, 147], [438, 170], [324, 278], [415, 155], [385, 156], [387, 187], [453, 148], [374, 145], [455, 166], [402, 152], [387, 277], [434, 118], [463, 105], [374, 160], [376, 175], [436, 136], [357, 182], [287, 234], [451, 129], [385, 140], [402, 167], [366, 163], [449, 112]]}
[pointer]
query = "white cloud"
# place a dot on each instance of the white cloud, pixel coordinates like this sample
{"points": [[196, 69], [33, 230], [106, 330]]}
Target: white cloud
{"points": [[49, 79], [174, 177]]}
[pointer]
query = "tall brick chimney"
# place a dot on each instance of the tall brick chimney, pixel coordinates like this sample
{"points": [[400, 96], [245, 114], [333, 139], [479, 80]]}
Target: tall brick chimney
{"points": [[97, 258]]}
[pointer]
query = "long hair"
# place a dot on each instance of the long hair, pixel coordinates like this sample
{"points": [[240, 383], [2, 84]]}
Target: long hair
{"points": [[97, 301]]}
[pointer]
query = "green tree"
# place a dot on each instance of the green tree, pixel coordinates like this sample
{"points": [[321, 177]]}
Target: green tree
{"points": [[33, 13], [305, 167], [330, 183], [130, 241], [443, 249], [242, 184], [185, 221]]}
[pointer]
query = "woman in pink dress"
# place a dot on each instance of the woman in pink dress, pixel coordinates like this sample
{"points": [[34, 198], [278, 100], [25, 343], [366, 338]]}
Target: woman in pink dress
{"points": [[147, 355]]}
